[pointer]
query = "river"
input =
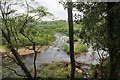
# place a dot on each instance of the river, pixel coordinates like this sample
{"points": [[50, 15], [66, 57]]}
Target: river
{"points": [[56, 53]]}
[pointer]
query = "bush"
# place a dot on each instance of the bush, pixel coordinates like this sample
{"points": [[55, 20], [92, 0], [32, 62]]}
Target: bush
{"points": [[57, 70], [54, 70], [79, 75], [79, 49]]}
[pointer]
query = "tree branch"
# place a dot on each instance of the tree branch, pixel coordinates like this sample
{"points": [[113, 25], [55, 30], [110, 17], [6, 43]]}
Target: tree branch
{"points": [[13, 59], [16, 72]]}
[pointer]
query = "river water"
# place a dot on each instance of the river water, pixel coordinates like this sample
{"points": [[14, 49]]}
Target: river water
{"points": [[53, 53], [56, 53]]}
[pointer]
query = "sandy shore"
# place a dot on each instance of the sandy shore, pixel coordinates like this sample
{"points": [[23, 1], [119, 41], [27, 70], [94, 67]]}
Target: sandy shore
{"points": [[25, 51]]}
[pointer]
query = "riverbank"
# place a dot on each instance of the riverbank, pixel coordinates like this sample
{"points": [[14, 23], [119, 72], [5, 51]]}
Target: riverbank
{"points": [[54, 53], [25, 51]]}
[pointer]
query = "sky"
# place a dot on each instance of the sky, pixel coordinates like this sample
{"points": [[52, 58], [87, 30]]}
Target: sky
{"points": [[53, 7], [56, 9]]}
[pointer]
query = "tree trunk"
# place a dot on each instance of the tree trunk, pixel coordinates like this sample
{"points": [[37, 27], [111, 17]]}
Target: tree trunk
{"points": [[70, 21], [17, 56], [35, 57], [20, 62], [111, 41]]}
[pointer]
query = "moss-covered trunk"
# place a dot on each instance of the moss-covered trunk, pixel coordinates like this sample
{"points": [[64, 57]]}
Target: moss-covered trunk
{"points": [[20, 62], [17, 56]]}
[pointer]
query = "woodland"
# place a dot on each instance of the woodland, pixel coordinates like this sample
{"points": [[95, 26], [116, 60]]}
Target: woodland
{"points": [[86, 48]]}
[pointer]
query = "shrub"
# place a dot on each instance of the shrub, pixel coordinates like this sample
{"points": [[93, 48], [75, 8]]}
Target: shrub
{"points": [[57, 70], [54, 70], [66, 48], [79, 49], [79, 75]]}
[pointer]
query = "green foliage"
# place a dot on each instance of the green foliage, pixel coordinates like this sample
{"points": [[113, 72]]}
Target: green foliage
{"points": [[56, 65], [25, 23], [79, 75], [97, 67], [36, 33], [60, 26], [93, 24], [40, 11], [101, 26], [95, 21], [54, 70], [66, 48], [57, 70], [79, 49], [2, 53], [57, 26]]}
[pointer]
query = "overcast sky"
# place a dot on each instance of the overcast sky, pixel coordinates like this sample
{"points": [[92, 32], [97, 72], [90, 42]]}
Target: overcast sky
{"points": [[58, 10], [53, 7]]}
